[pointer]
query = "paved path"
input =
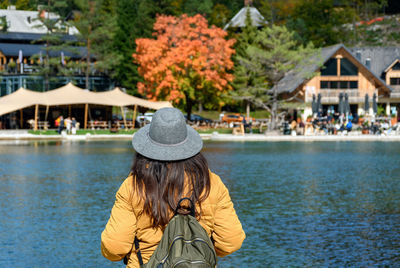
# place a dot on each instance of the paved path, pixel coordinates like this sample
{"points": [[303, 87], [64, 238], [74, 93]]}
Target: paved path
{"points": [[212, 137], [261, 137]]}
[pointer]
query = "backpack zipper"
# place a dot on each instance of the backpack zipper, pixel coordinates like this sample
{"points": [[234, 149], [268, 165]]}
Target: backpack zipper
{"points": [[191, 262], [185, 241]]}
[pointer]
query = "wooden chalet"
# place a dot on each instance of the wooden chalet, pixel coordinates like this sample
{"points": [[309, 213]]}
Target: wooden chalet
{"points": [[356, 71]]}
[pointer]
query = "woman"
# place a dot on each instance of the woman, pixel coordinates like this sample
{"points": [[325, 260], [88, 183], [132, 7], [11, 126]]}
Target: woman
{"points": [[168, 166]]}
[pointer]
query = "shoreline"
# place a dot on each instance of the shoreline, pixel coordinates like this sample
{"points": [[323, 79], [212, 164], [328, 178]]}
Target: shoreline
{"points": [[206, 137]]}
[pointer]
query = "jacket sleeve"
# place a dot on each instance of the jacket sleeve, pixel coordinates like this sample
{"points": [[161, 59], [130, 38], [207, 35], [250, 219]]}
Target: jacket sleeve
{"points": [[119, 233], [228, 234]]}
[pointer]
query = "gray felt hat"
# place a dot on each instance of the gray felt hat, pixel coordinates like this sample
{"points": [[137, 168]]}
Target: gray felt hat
{"points": [[167, 137]]}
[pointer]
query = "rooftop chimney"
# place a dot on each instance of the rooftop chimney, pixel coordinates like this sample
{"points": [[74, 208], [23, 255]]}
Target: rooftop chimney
{"points": [[368, 63], [358, 55], [248, 3], [11, 8]]}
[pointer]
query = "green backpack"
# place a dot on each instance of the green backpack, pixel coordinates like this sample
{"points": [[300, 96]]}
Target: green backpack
{"points": [[184, 243]]}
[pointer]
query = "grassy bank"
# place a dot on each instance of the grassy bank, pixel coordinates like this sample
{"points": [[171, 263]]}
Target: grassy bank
{"points": [[84, 132], [107, 132], [223, 131], [214, 115]]}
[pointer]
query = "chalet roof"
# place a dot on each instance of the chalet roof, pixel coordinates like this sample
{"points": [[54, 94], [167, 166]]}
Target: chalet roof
{"points": [[381, 57], [28, 50], [297, 77], [239, 20], [391, 65], [23, 21]]}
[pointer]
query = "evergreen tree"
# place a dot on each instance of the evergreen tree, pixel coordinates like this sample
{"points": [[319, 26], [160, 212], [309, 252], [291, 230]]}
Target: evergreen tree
{"points": [[4, 4], [273, 54], [24, 5], [135, 19], [320, 22], [245, 78], [96, 25], [193, 7], [54, 39], [220, 15]]}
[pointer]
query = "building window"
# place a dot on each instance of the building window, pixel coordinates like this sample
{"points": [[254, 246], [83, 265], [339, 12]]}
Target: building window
{"points": [[339, 84], [347, 67], [353, 84], [395, 81], [396, 66], [329, 68]]}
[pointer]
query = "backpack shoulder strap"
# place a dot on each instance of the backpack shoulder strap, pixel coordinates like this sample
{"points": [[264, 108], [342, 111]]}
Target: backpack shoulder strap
{"points": [[138, 253]]}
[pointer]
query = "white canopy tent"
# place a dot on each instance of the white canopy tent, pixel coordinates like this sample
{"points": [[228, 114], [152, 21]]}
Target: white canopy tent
{"points": [[71, 94]]}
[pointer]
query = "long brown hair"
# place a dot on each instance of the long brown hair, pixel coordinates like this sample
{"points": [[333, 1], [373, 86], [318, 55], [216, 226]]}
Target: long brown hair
{"points": [[161, 184]]}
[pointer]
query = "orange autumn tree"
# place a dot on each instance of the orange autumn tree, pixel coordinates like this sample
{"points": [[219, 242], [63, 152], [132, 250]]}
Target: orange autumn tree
{"points": [[187, 62]]}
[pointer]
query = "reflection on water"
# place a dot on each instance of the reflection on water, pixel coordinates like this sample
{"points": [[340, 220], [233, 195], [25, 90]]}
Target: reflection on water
{"points": [[301, 204]]}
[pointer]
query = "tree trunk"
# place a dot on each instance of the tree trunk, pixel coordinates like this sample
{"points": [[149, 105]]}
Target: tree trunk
{"points": [[274, 110], [47, 64], [47, 67], [88, 60], [200, 107], [248, 110], [189, 105]]}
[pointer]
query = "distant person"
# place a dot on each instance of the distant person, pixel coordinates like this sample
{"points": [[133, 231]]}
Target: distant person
{"points": [[61, 124], [349, 126], [67, 123], [167, 167], [329, 118], [221, 115], [244, 122], [57, 122], [251, 125], [300, 126], [73, 126], [351, 117], [293, 125]]}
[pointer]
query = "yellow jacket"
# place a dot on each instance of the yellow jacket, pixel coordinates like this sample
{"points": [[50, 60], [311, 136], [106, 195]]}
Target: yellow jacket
{"points": [[218, 218]]}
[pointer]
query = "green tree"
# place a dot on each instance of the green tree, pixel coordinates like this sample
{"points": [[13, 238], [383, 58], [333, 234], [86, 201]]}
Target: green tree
{"points": [[220, 15], [135, 19], [273, 54], [4, 4], [55, 43], [96, 25], [193, 7], [245, 78], [24, 5], [321, 22], [3, 24]]}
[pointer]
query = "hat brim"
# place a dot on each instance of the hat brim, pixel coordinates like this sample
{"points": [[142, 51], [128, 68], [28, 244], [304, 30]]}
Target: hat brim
{"points": [[144, 145]]}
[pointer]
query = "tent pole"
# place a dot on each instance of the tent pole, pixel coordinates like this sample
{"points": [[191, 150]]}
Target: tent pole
{"points": [[86, 112], [47, 112], [123, 116], [134, 116], [21, 119], [36, 117]]}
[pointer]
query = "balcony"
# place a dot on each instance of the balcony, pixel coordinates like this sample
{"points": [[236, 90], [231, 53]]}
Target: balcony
{"points": [[17, 69], [332, 95]]}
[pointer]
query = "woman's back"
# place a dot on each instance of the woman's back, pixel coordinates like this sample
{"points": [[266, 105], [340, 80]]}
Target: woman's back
{"points": [[168, 166], [218, 218]]}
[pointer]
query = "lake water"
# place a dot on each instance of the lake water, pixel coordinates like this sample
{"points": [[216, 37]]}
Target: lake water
{"points": [[311, 204]]}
